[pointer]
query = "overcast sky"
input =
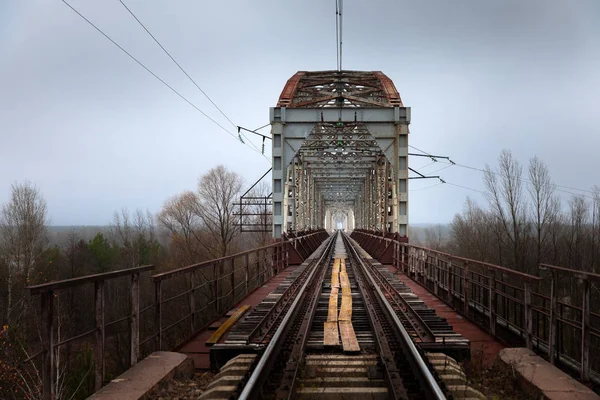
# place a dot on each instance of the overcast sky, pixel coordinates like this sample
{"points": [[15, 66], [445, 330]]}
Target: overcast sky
{"points": [[95, 132]]}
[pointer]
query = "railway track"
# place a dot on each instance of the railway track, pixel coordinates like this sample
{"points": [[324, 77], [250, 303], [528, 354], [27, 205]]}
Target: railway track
{"points": [[338, 329]]}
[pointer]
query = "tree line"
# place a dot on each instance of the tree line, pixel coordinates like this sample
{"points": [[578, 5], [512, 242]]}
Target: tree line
{"points": [[525, 222], [191, 227]]}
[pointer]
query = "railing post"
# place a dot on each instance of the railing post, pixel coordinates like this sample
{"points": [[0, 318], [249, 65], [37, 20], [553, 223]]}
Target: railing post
{"points": [[232, 281], [135, 317], [436, 274], [99, 356], [553, 321], [48, 345], [192, 301], [216, 288], [466, 288], [450, 284], [246, 266], [403, 265], [528, 325], [585, 332], [492, 301], [158, 311]]}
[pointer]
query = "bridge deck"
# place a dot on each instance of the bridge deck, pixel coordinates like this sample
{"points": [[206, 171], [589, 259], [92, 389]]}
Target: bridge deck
{"points": [[196, 347], [482, 344]]}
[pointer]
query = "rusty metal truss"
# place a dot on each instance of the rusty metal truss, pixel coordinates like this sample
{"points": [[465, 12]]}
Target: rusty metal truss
{"points": [[340, 153], [339, 89]]}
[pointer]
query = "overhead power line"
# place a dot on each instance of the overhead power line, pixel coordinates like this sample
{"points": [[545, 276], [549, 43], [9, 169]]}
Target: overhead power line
{"points": [[522, 179], [185, 72], [148, 70], [176, 63], [426, 187]]}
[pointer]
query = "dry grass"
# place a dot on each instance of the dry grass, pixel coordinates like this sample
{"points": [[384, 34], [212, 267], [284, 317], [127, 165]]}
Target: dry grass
{"points": [[497, 381]]}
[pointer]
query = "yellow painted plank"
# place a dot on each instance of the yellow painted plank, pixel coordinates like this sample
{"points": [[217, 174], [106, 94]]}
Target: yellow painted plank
{"points": [[349, 341], [227, 325], [333, 306], [331, 334], [343, 265]]}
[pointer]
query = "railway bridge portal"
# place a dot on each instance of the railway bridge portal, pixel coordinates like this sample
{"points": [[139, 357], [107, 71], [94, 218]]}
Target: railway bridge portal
{"points": [[340, 153]]}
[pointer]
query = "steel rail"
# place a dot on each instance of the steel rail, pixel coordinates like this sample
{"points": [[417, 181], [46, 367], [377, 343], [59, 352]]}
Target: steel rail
{"points": [[421, 328], [252, 387], [265, 324], [296, 355], [427, 380]]}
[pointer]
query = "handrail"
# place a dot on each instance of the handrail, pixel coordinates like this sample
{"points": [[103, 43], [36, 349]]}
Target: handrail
{"points": [[193, 267], [67, 283], [482, 263], [578, 273]]}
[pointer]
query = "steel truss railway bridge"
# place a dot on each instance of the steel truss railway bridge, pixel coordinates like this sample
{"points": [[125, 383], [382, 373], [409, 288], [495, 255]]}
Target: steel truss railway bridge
{"points": [[333, 289]]}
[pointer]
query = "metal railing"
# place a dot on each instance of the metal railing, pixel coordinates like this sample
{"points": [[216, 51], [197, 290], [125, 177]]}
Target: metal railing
{"points": [[520, 309], [183, 301], [189, 298], [48, 291]]}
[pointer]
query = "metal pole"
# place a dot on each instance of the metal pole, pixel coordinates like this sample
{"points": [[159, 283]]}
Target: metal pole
{"points": [[48, 345], [585, 332], [99, 356], [528, 315], [158, 311], [135, 318], [192, 302], [492, 301]]}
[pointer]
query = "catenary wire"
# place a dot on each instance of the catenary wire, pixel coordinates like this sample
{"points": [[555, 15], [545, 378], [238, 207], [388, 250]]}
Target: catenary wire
{"points": [[148, 69], [522, 179], [182, 69]]}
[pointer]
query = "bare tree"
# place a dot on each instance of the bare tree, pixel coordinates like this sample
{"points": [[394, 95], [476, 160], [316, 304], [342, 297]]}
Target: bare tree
{"points": [[22, 234], [218, 191], [473, 233], [505, 194], [578, 213], [135, 233], [434, 237], [179, 218], [545, 206]]}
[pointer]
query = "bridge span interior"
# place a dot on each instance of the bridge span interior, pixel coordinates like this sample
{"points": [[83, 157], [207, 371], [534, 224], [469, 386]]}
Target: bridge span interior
{"points": [[340, 153]]}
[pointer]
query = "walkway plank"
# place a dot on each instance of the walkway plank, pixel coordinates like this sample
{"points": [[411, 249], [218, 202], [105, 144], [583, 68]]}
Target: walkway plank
{"points": [[346, 308], [331, 334], [483, 345], [332, 313], [349, 341], [227, 325]]}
